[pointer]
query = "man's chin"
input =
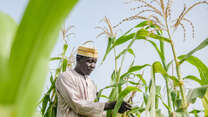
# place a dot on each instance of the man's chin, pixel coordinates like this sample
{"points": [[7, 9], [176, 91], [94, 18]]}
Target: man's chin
{"points": [[88, 73]]}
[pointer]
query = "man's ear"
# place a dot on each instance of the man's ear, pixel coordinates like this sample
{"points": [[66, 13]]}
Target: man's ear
{"points": [[79, 58]]}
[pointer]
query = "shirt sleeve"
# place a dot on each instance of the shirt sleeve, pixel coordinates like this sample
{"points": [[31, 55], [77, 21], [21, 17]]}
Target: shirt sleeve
{"points": [[69, 91]]}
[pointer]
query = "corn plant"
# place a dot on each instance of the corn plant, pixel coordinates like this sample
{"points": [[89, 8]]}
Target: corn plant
{"points": [[25, 52], [155, 27], [49, 101]]}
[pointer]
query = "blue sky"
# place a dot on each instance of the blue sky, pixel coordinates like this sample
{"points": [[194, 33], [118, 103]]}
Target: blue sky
{"points": [[88, 14]]}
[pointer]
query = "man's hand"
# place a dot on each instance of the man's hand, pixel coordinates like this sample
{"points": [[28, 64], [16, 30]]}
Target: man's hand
{"points": [[109, 105], [124, 106]]}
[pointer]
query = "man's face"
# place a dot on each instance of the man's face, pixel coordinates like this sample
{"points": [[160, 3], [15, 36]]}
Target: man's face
{"points": [[87, 65]]}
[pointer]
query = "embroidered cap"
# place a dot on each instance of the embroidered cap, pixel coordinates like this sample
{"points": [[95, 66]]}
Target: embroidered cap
{"points": [[87, 51]]}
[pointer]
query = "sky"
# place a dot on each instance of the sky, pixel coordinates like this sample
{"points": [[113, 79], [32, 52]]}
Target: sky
{"points": [[88, 14]]}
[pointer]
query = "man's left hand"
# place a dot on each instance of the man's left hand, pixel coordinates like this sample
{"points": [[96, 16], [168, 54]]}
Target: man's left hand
{"points": [[124, 107]]}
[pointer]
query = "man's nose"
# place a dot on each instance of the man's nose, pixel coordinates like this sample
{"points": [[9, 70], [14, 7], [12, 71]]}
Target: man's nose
{"points": [[92, 65]]}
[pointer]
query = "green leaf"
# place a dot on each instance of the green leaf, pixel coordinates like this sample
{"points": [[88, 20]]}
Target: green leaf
{"points": [[159, 113], [181, 114], [128, 48], [166, 106], [137, 68], [110, 86], [55, 58], [108, 49], [30, 52], [195, 111], [125, 92], [168, 65], [134, 69], [142, 24], [140, 34], [64, 65], [158, 37], [45, 101], [121, 53], [131, 52], [162, 56], [133, 83], [202, 45], [141, 78], [136, 110], [123, 39], [65, 49], [51, 79], [145, 97], [194, 78], [7, 30], [196, 92], [173, 97], [157, 49], [157, 68], [205, 104], [104, 96], [202, 68]]}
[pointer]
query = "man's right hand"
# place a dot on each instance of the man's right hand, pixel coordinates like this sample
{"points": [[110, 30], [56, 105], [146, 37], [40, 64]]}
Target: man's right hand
{"points": [[109, 105]]}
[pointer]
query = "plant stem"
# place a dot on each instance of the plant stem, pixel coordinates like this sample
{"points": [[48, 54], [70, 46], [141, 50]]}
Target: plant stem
{"points": [[116, 65], [153, 93], [122, 61], [166, 82], [177, 66]]}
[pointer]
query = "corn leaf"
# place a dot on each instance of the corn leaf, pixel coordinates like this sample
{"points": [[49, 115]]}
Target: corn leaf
{"points": [[110, 86], [162, 56], [44, 103], [7, 30], [196, 92], [157, 67], [65, 49], [202, 68], [137, 68], [55, 58], [194, 78], [168, 65], [108, 49], [142, 24], [125, 92], [140, 34], [142, 79], [158, 37], [134, 69], [205, 104], [202, 45], [64, 65], [164, 104], [195, 111], [136, 110], [121, 53], [30, 53], [131, 52], [128, 49], [123, 39], [181, 114], [157, 49]]}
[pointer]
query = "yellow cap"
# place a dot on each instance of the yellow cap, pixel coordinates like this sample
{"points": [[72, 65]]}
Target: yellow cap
{"points": [[86, 51]]}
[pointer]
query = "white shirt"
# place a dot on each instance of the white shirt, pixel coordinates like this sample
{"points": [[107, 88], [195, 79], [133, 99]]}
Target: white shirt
{"points": [[76, 95]]}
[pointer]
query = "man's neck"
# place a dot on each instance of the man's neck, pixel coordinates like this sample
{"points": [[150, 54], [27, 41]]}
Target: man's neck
{"points": [[79, 72]]}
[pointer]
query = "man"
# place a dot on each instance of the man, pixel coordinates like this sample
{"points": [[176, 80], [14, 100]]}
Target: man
{"points": [[77, 92]]}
